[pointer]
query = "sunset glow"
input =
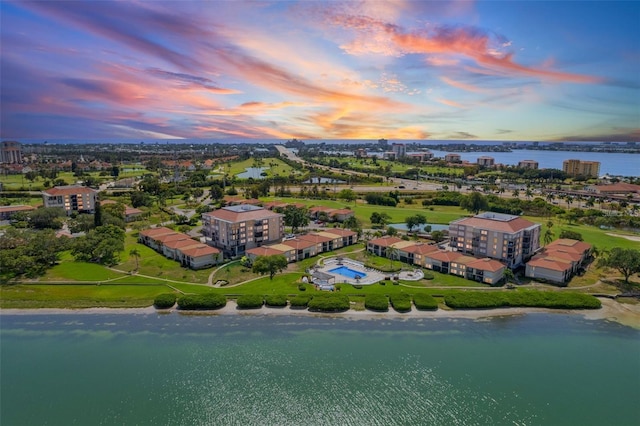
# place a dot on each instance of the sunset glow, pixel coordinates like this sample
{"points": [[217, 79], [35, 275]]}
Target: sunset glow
{"points": [[328, 70]]}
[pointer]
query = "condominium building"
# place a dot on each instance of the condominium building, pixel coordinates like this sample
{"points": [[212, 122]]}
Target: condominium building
{"points": [[507, 238], [486, 161], [399, 150], [452, 158], [10, 152], [72, 198], [234, 229], [528, 164], [581, 168]]}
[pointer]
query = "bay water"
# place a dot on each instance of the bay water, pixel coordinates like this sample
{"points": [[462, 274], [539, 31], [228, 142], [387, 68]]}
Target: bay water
{"points": [[173, 369]]}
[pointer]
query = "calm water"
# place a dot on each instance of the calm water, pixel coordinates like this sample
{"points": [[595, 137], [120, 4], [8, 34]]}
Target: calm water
{"points": [[194, 370]]}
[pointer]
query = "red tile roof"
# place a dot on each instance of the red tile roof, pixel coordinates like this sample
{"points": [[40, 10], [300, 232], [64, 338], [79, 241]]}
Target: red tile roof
{"points": [[513, 225], [299, 244], [201, 250], [264, 251], [316, 238], [385, 241], [572, 245], [549, 263], [341, 232], [11, 209], [69, 190], [486, 264], [178, 244], [231, 216], [444, 256], [171, 237], [153, 232], [420, 248]]}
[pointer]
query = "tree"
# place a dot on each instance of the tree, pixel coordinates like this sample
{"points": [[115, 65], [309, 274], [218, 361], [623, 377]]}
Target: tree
{"points": [[295, 217], [47, 217], [379, 218], [548, 236], [474, 203], [392, 253], [391, 231], [508, 276], [572, 235], [625, 261], [97, 215], [216, 193], [352, 223], [411, 222], [347, 195], [269, 265], [437, 236], [101, 245], [136, 255], [139, 198]]}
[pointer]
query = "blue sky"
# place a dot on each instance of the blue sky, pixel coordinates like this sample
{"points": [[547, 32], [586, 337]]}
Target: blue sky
{"points": [[523, 70]]}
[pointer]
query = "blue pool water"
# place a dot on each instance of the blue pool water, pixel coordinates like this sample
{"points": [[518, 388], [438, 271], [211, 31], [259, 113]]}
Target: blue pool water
{"points": [[348, 272]]}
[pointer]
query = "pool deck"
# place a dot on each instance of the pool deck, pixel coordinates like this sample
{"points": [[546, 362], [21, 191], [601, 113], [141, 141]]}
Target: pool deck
{"points": [[372, 275]]}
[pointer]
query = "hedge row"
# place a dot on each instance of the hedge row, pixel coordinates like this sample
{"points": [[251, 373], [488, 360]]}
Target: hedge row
{"points": [[249, 301], [202, 301], [401, 302], [425, 302], [376, 302], [164, 301], [299, 301], [522, 298], [329, 302], [276, 300]]}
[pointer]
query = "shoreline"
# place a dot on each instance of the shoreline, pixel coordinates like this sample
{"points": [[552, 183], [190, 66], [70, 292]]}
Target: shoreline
{"points": [[624, 314]]}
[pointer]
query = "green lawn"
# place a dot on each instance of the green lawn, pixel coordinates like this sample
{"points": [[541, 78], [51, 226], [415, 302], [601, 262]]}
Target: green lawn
{"points": [[79, 296]]}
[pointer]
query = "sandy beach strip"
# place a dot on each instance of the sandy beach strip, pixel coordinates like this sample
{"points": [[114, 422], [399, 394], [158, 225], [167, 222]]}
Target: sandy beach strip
{"points": [[625, 314]]}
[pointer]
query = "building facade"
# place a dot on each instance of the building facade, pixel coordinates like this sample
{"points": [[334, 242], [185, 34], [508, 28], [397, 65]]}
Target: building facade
{"points": [[10, 152], [234, 229], [452, 158], [486, 161], [71, 198], [399, 150], [581, 168], [507, 238], [528, 164]]}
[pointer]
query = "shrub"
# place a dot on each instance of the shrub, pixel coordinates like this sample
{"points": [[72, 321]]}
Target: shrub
{"points": [[357, 286], [299, 301], [425, 302], [428, 275], [201, 301], [164, 301], [401, 302], [275, 300], [329, 302], [376, 302], [302, 287], [521, 298], [250, 301]]}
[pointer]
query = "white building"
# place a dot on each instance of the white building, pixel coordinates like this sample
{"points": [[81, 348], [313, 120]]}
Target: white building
{"points": [[73, 198]]}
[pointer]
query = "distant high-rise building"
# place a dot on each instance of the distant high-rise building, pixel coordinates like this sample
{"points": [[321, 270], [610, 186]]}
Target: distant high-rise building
{"points": [[486, 161], [528, 164], [399, 150], [452, 158], [10, 152], [581, 168]]}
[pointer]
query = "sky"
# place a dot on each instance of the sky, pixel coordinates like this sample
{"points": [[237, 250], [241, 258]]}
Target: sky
{"points": [[458, 70]]}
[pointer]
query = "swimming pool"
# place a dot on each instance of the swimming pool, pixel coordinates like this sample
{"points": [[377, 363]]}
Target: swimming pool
{"points": [[348, 272]]}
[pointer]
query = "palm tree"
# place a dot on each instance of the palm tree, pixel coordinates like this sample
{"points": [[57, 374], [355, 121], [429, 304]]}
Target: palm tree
{"points": [[548, 236], [136, 254], [528, 193], [515, 193], [392, 253], [569, 199]]}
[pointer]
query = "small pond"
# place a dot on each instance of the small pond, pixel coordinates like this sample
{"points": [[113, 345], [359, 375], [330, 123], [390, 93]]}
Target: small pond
{"points": [[252, 172]]}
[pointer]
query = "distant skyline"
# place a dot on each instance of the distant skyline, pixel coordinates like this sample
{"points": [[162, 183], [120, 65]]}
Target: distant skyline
{"points": [[463, 70]]}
